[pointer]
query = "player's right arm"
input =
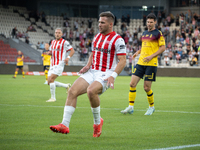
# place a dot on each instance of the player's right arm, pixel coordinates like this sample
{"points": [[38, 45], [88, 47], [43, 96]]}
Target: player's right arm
{"points": [[87, 67], [136, 53]]}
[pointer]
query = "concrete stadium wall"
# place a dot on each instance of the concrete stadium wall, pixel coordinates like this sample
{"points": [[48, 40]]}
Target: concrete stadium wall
{"points": [[167, 72]]}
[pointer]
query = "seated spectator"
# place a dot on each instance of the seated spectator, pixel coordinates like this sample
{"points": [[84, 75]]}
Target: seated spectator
{"points": [[31, 28], [19, 35], [196, 33], [90, 23], [41, 45], [184, 55], [77, 35], [166, 60], [193, 61], [170, 55], [85, 53], [126, 39], [123, 19], [27, 40], [76, 25], [71, 35], [14, 32], [82, 44], [130, 39], [178, 58], [66, 23], [38, 45], [128, 20], [88, 44]]}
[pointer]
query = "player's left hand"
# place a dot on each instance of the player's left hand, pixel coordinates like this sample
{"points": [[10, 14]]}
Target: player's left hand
{"points": [[147, 59], [66, 61], [110, 82]]}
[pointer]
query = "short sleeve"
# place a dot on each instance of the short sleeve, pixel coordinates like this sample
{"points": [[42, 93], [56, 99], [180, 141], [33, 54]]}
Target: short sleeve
{"points": [[120, 47], [161, 40], [67, 46]]}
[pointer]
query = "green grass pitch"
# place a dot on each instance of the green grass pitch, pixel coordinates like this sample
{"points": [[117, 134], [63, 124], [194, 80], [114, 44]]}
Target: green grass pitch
{"points": [[26, 117]]}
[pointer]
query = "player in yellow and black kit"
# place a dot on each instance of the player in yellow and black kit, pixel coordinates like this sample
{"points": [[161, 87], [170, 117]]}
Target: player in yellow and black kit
{"points": [[153, 44], [46, 61], [20, 64]]}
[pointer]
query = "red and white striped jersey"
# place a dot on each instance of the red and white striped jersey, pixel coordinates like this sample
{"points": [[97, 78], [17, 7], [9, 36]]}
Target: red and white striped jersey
{"points": [[59, 51], [105, 49]]}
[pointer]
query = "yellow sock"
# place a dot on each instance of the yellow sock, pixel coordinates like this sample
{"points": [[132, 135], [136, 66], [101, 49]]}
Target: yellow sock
{"points": [[23, 74], [150, 98], [132, 96], [16, 72], [46, 74]]}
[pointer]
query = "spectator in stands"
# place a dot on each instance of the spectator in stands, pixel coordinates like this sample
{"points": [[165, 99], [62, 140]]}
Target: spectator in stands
{"points": [[66, 23], [178, 58], [43, 15], [41, 46], [71, 35], [144, 20], [123, 19], [135, 32], [19, 34], [27, 40], [91, 34], [159, 17], [168, 20], [76, 25], [188, 49], [128, 19], [90, 23], [194, 46], [84, 35], [193, 61], [198, 20], [193, 23], [125, 38], [88, 44], [31, 28], [64, 36], [77, 35], [139, 29], [196, 32], [135, 40], [166, 60], [6, 61], [177, 20], [65, 17], [130, 39], [85, 53], [14, 32], [38, 45], [184, 56]]}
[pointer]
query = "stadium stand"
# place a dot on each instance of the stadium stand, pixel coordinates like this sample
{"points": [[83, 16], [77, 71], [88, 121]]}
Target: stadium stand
{"points": [[75, 27]]}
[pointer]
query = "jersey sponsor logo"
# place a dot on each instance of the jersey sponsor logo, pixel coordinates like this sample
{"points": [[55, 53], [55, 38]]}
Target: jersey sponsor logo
{"points": [[102, 50]]}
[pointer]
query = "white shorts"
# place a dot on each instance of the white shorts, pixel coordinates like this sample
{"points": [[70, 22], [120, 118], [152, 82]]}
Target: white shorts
{"points": [[57, 70], [96, 75]]}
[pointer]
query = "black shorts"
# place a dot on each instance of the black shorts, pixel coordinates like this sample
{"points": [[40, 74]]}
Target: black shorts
{"points": [[148, 71], [46, 67], [20, 67]]}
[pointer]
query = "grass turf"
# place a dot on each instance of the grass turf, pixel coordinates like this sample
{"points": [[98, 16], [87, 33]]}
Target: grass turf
{"points": [[26, 117]]}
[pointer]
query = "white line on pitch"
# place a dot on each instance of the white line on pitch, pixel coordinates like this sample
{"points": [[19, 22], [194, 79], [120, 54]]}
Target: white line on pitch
{"points": [[177, 147], [184, 112]]}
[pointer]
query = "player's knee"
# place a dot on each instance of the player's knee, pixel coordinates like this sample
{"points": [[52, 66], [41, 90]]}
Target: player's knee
{"points": [[132, 84], [90, 92], [72, 92], [147, 89]]}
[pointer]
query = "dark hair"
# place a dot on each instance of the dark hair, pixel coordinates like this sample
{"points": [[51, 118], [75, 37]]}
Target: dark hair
{"points": [[151, 16], [108, 14]]}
